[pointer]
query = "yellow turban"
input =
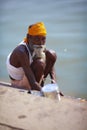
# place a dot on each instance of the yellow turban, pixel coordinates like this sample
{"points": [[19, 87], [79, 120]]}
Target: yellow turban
{"points": [[37, 29]]}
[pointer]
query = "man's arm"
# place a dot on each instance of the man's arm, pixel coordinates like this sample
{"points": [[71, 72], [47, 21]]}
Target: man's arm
{"points": [[24, 61], [53, 75]]}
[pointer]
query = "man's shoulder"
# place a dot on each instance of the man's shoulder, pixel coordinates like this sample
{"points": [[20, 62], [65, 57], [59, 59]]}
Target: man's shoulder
{"points": [[20, 50]]}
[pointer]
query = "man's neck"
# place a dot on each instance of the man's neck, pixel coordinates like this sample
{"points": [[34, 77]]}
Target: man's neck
{"points": [[31, 51]]}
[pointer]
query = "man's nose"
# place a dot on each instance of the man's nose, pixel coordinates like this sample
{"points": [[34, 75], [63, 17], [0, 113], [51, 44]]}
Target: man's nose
{"points": [[42, 41]]}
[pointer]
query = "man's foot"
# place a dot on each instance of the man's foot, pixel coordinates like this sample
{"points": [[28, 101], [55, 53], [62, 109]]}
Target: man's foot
{"points": [[61, 94]]}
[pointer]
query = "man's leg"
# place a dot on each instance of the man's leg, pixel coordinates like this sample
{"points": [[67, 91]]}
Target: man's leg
{"points": [[38, 67], [49, 69], [42, 69], [21, 84]]}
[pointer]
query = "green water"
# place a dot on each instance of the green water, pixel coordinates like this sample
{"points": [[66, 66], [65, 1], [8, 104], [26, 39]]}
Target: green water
{"points": [[66, 24]]}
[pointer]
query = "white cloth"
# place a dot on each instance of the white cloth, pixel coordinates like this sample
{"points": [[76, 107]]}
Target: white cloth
{"points": [[17, 73]]}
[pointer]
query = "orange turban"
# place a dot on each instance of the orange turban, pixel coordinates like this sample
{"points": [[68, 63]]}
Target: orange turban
{"points": [[37, 29]]}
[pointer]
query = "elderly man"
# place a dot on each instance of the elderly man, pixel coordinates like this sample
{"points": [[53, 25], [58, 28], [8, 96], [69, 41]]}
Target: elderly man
{"points": [[30, 62]]}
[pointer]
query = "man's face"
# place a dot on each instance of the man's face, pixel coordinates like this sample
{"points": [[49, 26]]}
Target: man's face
{"points": [[37, 45], [37, 40]]}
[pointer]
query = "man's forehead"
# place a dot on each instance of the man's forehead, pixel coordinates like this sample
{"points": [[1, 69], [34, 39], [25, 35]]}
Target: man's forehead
{"points": [[38, 36]]}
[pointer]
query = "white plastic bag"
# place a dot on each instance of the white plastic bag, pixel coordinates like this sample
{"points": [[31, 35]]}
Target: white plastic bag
{"points": [[51, 91]]}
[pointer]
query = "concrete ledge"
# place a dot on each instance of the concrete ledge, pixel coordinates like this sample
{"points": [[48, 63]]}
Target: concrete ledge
{"points": [[22, 111]]}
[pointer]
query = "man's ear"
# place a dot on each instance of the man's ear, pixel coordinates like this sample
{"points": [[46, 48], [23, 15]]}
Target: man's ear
{"points": [[28, 35]]}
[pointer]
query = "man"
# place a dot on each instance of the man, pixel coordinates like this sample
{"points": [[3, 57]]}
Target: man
{"points": [[30, 62]]}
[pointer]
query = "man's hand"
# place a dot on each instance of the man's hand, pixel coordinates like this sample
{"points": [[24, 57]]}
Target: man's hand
{"points": [[36, 86]]}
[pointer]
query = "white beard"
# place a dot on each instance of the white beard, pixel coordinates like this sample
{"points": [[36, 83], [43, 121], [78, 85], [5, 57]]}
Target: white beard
{"points": [[39, 52]]}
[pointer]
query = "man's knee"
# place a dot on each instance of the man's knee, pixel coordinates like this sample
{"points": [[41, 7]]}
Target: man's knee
{"points": [[38, 65], [51, 55]]}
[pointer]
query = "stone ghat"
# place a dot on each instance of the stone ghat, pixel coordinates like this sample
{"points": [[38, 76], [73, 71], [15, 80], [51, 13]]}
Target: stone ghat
{"points": [[22, 111]]}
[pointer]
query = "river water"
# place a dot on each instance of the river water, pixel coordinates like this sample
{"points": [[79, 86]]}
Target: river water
{"points": [[66, 23]]}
